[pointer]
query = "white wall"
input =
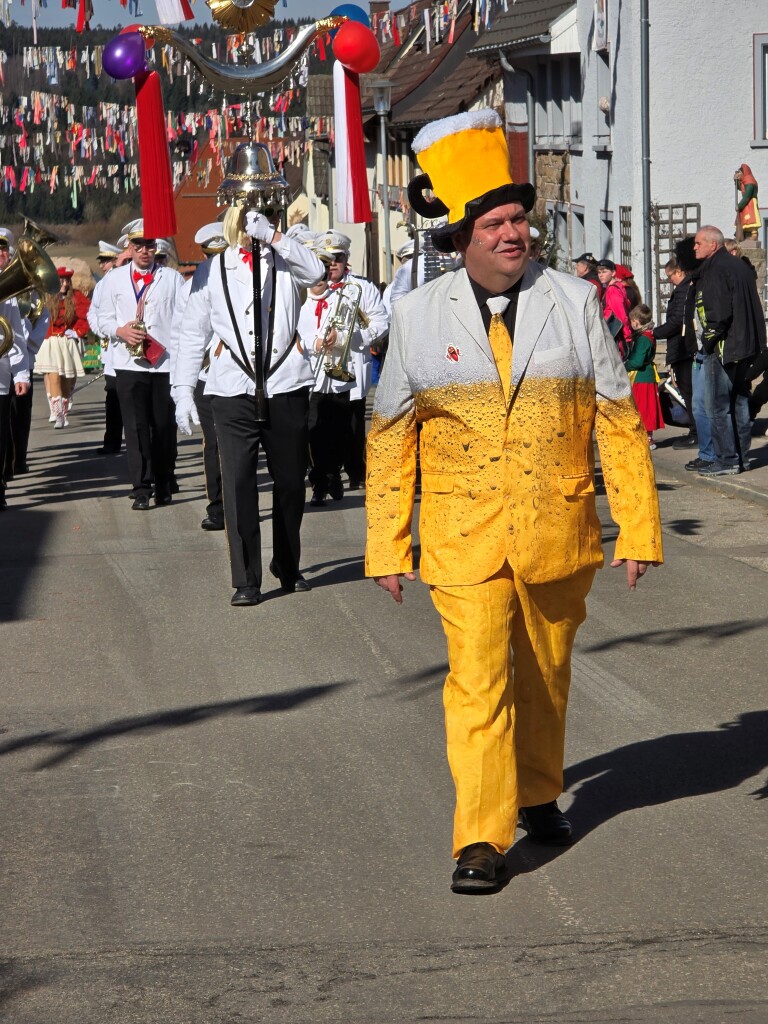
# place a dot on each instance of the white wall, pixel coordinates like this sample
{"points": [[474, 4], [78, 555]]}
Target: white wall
{"points": [[701, 112]]}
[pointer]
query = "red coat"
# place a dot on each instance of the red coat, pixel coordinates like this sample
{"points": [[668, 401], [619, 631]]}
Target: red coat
{"points": [[80, 326]]}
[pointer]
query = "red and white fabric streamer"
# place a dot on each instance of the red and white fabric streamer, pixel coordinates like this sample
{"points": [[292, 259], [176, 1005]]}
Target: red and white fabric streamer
{"points": [[171, 12], [353, 202]]}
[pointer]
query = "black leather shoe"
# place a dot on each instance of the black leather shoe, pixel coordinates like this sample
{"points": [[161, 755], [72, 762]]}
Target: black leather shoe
{"points": [[212, 524], [336, 488], [163, 499], [141, 503], [546, 823], [318, 497], [3, 504], [174, 485], [299, 586], [356, 485], [689, 441], [481, 868], [21, 469], [244, 597], [104, 450]]}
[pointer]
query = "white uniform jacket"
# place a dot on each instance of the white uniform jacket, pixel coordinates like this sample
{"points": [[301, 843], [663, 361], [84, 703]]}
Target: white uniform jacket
{"points": [[117, 303], [359, 361], [94, 322], [14, 366], [207, 321], [36, 334]]}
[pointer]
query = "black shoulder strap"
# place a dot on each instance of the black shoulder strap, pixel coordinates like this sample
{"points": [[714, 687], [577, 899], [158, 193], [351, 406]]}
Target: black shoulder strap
{"points": [[242, 363]]}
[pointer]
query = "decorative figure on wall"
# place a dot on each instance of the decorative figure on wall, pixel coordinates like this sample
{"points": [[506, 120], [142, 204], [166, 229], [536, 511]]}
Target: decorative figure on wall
{"points": [[748, 220]]}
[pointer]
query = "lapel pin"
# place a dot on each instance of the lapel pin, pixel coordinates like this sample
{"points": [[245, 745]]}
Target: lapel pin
{"points": [[453, 354]]}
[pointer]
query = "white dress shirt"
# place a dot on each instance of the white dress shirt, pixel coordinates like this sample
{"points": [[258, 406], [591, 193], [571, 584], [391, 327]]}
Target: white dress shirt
{"points": [[312, 325], [206, 321], [117, 302]]}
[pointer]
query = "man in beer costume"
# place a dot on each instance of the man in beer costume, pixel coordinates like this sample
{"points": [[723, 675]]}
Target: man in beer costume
{"points": [[508, 368]]}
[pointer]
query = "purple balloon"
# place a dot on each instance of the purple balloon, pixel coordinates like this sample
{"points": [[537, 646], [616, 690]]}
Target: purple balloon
{"points": [[125, 55]]}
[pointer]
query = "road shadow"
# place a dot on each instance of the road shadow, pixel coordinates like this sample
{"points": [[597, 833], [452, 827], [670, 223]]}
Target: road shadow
{"points": [[668, 768], [67, 745], [704, 635]]}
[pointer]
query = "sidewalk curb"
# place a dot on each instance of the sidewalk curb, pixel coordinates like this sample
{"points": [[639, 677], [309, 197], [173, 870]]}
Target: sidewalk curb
{"points": [[727, 486]]}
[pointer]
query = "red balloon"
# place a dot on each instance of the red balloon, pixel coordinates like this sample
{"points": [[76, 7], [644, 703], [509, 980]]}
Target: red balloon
{"points": [[148, 42], [356, 47]]}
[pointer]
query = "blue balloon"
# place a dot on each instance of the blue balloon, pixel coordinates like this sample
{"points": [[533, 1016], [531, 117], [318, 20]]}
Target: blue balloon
{"points": [[353, 12]]}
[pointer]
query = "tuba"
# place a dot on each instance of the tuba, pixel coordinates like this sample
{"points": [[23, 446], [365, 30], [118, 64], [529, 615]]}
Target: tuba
{"points": [[30, 268], [344, 319], [31, 302]]}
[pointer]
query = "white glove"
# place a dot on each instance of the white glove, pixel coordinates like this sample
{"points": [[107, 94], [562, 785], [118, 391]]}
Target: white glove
{"points": [[70, 334], [257, 226], [186, 411]]}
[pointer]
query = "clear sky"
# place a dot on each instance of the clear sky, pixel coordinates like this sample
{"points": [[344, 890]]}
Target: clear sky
{"points": [[109, 13]]}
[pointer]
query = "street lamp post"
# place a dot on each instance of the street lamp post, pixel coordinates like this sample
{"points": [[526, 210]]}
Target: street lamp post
{"points": [[382, 102]]}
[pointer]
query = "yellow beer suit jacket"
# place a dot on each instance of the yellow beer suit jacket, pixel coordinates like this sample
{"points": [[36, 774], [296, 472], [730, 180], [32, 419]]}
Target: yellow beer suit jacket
{"points": [[505, 480]]}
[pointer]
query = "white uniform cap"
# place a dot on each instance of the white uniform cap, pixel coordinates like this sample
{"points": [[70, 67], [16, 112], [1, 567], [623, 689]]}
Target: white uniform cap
{"points": [[405, 250], [122, 242], [7, 234], [535, 233], [210, 236], [333, 241], [134, 229], [163, 247], [302, 234], [107, 251]]}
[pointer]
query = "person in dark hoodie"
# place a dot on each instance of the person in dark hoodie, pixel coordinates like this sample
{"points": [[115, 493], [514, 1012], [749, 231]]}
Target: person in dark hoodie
{"points": [[679, 332], [733, 327]]}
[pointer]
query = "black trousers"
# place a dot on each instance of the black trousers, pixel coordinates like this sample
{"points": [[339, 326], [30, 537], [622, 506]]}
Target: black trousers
{"points": [[284, 438], [354, 463], [684, 377], [211, 466], [150, 429], [5, 436], [20, 425], [330, 436], [113, 431]]}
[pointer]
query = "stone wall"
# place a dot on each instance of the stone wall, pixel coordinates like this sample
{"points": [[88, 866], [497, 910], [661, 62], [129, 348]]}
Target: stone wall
{"points": [[553, 179], [757, 257]]}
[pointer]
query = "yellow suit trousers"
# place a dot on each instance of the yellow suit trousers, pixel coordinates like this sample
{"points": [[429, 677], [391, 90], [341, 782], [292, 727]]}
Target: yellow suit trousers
{"points": [[505, 697]]}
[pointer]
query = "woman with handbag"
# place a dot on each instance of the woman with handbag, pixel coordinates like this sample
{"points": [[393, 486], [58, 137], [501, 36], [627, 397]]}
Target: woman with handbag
{"points": [[616, 305]]}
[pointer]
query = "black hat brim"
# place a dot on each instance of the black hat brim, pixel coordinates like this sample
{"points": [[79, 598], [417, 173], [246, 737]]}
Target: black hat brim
{"points": [[444, 238]]}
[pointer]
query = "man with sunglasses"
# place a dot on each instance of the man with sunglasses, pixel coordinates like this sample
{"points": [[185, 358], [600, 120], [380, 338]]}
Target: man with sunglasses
{"points": [[143, 292], [337, 407]]}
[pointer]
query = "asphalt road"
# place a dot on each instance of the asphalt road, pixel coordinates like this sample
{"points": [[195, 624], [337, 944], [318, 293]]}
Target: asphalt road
{"points": [[216, 815]]}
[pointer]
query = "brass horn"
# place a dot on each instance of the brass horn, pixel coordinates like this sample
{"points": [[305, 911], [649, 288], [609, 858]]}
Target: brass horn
{"points": [[42, 236], [30, 268]]}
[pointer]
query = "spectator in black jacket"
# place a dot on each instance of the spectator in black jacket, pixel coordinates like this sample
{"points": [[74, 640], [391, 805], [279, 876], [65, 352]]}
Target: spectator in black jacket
{"points": [[680, 333], [733, 326]]}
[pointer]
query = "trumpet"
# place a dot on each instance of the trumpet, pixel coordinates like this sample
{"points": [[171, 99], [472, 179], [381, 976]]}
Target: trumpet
{"points": [[344, 319], [137, 351]]}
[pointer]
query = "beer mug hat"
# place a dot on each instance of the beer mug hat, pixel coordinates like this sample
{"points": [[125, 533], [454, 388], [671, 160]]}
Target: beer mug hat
{"points": [[465, 161]]}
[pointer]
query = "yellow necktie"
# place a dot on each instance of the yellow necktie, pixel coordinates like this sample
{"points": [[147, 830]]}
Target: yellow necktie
{"points": [[501, 343]]}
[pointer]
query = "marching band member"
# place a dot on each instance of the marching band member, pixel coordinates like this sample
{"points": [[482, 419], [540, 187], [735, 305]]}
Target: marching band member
{"points": [[211, 240], [14, 365], [107, 258], [220, 309], [21, 404], [59, 356], [136, 309], [337, 407]]}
